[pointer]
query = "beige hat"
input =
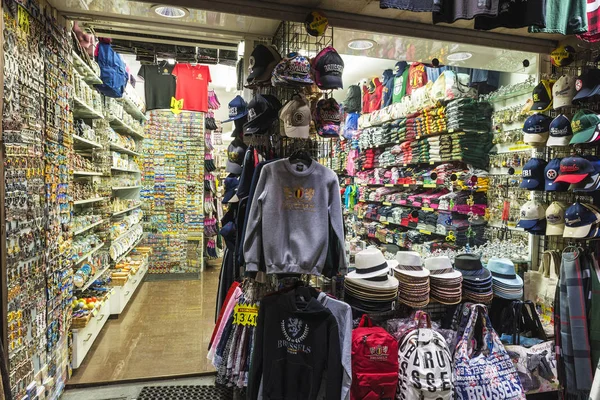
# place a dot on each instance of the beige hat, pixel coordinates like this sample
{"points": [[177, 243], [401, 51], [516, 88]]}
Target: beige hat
{"points": [[555, 218], [563, 91]]}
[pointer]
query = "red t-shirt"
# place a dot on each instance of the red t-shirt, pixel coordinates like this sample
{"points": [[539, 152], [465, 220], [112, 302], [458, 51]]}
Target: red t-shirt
{"points": [[192, 86]]}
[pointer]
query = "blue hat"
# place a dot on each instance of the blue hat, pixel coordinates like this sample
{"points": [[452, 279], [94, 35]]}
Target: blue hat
{"points": [[231, 184], [533, 174], [560, 132], [574, 170], [536, 128], [552, 170], [503, 273], [238, 108], [399, 68], [579, 219]]}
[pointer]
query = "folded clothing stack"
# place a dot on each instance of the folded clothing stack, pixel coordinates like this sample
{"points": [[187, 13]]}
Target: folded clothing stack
{"points": [[469, 115], [472, 148]]}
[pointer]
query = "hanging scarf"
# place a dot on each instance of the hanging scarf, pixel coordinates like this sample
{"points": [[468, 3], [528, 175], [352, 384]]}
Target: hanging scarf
{"points": [[575, 340]]}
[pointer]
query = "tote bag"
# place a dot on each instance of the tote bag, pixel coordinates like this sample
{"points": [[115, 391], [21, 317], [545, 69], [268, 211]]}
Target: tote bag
{"points": [[488, 374], [540, 288]]}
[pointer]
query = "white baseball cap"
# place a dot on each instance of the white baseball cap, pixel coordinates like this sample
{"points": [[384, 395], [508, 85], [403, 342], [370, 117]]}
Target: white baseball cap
{"points": [[296, 118], [555, 218], [531, 212], [563, 91]]}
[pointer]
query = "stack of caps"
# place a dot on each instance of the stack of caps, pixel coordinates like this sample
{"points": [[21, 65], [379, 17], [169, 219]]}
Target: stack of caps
{"points": [[413, 286], [555, 219], [585, 127], [294, 71], [469, 115], [370, 288], [446, 283], [477, 281], [263, 110], [295, 117], [506, 283], [536, 129], [533, 174], [582, 221], [262, 62], [328, 118], [533, 217], [583, 173]]}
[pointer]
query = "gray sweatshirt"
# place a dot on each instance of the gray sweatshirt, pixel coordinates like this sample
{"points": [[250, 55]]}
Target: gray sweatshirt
{"points": [[288, 224]]}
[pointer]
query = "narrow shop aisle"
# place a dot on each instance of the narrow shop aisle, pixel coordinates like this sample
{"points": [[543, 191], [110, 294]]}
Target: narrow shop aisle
{"points": [[164, 331]]}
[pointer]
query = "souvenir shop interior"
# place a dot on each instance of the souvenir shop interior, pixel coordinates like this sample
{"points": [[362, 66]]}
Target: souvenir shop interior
{"points": [[298, 209]]}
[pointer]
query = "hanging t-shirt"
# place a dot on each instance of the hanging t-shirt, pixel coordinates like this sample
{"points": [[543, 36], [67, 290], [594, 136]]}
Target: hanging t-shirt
{"points": [[159, 85], [400, 87], [412, 5], [417, 77], [515, 14], [192, 86], [593, 21], [564, 17], [453, 10]]}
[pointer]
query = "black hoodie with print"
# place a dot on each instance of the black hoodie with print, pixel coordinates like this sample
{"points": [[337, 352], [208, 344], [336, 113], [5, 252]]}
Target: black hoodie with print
{"points": [[292, 350]]}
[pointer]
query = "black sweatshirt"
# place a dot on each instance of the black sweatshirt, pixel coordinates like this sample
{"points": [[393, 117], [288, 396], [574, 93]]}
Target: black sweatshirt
{"points": [[293, 348]]}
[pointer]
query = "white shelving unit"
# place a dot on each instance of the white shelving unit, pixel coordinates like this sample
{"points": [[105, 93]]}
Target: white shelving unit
{"points": [[126, 210], [87, 228], [87, 201]]}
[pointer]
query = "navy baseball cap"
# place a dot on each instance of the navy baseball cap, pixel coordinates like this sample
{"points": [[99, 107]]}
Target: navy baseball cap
{"points": [[551, 172], [328, 67], [587, 85], [231, 184], [579, 220], [574, 170], [533, 174], [262, 62], [560, 132], [238, 108], [263, 110], [592, 182], [536, 128], [399, 68]]}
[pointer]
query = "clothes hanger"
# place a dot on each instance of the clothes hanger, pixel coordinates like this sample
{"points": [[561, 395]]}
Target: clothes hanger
{"points": [[302, 156]]}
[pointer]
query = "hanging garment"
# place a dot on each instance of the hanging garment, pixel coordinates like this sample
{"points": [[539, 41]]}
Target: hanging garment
{"points": [[575, 343], [564, 17], [230, 294], [388, 88], [453, 10], [515, 14], [593, 19], [412, 5], [227, 315], [595, 311]]}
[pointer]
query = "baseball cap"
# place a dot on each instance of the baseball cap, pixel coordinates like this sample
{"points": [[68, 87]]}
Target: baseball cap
{"points": [[579, 220], [328, 118], [542, 96], [328, 68], [562, 56], [574, 170], [262, 111], [533, 174], [555, 218], [262, 61], [560, 132], [296, 118], [231, 184], [238, 108], [551, 173], [536, 128], [563, 91], [584, 125], [531, 212], [293, 70], [587, 85], [235, 157]]}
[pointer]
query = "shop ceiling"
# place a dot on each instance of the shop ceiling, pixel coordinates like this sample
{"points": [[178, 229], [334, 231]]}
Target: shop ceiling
{"points": [[213, 25]]}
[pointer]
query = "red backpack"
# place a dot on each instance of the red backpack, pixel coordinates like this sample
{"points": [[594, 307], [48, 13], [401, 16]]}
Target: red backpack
{"points": [[374, 363]]}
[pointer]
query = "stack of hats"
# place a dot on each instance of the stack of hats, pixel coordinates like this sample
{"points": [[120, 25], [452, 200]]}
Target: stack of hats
{"points": [[506, 283], [328, 68], [445, 282], [582, 221], [295, 117], [533, 174], [477, 281], [542, 96], [533, 217], [263, 110], [469, 115], [551, 172], [413, 286], [555, 219], [370, 287], [262, 63], [561, 132], [536, 129], [293, 71], [581, 172], [585, 127], [328, 118], [563, 91]]}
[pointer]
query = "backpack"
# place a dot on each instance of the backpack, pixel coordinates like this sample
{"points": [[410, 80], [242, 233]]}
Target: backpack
{"points": [[425, 364], [374, 363], [112, 71], [352, 104]]}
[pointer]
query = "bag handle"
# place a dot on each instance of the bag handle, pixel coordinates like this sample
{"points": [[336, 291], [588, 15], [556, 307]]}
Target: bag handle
{"points": [[490, 338], [365, 321], [544, 266], [555, 264], [421, 315], [540, 332], [517, 309]]}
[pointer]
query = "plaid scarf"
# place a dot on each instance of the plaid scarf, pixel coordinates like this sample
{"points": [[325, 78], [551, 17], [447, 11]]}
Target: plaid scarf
{"points": [[574, 337], [593, 17]]}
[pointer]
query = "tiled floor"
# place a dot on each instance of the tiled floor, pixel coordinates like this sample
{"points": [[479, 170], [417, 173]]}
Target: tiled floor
{"points": [[164, 331]]}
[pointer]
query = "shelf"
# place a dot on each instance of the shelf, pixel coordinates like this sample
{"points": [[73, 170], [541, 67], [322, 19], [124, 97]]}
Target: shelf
{"points": [[132, 108], [92, 279], [87, 173], [127, 232], [126, 210], [424, 232], [86, 142], [85, 70], [423, 185], [121, 127], [511, 95], [122, 256], [125, 187], [87, 228], [86, 201], [82, 110], [89, 254], [120, 149], [125, 170]]}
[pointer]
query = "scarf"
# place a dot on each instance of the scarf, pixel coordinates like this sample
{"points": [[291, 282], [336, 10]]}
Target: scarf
{"points": [[575, 341]]}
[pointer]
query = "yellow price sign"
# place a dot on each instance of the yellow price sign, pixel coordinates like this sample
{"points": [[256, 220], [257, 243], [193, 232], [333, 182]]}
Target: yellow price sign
{"points": [[424, 232], [427, 209], [389, 185], [23, 19], [245, 314], [386, 203], [176, 105]]}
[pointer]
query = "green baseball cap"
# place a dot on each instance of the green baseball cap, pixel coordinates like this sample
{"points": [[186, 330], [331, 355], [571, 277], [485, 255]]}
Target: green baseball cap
{"points": [[584, 124]]}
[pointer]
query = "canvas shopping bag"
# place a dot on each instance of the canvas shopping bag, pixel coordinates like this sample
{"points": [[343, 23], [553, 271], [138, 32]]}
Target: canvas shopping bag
{"points": [[485, 373], [540, 288]]}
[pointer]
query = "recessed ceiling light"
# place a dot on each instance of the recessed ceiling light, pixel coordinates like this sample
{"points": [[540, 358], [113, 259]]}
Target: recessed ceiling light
{"points": [[361, 44], [461, 56], [170, 11]]}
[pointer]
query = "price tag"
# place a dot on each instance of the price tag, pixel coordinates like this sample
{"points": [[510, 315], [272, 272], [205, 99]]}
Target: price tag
{"points": [[429, 185], [427, 209], [176, 106], [431, 162], [385, 222], [450, 130], [385, 203], [406, 185], [424, 232], [23, 19], [519, 147], [245, 314], [404, 165], [389, 185]]}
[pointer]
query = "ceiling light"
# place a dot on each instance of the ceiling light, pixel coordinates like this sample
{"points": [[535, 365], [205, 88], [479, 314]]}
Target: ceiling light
{"points": [[460, 56], [361, 44], [170, 11]]}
